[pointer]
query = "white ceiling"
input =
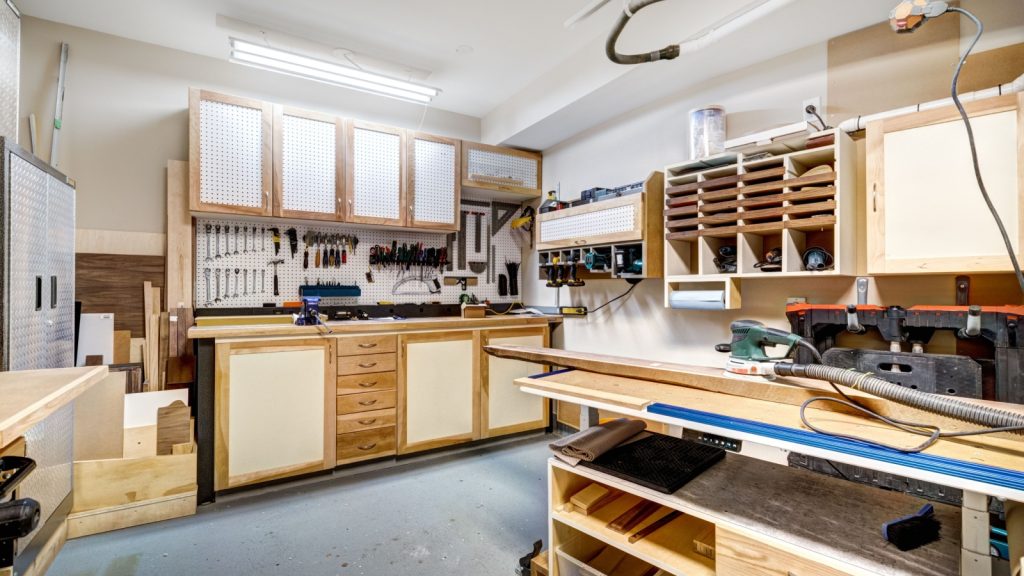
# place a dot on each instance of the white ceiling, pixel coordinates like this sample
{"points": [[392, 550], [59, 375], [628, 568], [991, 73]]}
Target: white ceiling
{"points": [[513, 41], [531, 81]]}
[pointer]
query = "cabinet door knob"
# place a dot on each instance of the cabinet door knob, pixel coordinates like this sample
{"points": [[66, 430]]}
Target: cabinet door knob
{"points": [[370, 345], [365, 447], [370, 365], [367, 384], [367, 402], [367, 422]]}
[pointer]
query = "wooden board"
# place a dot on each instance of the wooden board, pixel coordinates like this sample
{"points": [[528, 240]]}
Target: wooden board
{"points": [[179, 237], [136, 514], [30, 396], [109, 283], [122, 345], [912, 67], [100, 484], [173, 426], [99, 420], [788, 391]]}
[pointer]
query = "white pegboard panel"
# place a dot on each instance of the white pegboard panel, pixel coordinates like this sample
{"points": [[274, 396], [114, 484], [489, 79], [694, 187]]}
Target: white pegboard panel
{"points": [[435, 181], [503, 165], [255, 254], [598, 223], [230, 154], [377, 174], [309, 156]]}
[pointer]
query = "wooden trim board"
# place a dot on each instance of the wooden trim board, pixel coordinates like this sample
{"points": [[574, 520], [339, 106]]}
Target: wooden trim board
{"points": [[81, 524]]}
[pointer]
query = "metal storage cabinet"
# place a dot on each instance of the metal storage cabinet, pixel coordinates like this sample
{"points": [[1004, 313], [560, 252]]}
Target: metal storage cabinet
{"points": [[37, 263], [10, 59]]}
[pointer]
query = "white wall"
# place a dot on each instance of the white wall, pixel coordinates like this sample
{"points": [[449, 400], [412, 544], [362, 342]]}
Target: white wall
{"points": [[650, 138], [126, 114]]}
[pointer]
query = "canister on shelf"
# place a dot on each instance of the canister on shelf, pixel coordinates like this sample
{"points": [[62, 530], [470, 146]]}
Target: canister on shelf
{"points": [[707, 131]]}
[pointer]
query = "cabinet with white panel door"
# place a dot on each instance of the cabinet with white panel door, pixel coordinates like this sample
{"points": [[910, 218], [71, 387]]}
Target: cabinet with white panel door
{"points": [[309, 165], [375, 184]]}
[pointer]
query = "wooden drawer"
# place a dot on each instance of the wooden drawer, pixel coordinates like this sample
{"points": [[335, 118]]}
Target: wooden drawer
{"points": [[369, 420], [353, 403], [358, 383], [742, 556], [366, 364], [365, 445], [357, 345]]}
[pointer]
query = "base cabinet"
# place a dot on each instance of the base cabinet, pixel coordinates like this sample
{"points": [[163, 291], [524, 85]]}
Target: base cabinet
{"points": [[274, 410], [438, 390], [505, 409]]}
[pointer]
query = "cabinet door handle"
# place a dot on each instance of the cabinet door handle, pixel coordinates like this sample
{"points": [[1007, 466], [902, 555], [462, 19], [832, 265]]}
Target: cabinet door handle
{"points": [[365, 447], [370, 345], [367, 402], [367, 422], [370, 365], [367, 384]]}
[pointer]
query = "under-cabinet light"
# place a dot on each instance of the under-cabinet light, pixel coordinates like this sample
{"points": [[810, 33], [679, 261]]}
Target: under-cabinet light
{"points": [[275, 60]]}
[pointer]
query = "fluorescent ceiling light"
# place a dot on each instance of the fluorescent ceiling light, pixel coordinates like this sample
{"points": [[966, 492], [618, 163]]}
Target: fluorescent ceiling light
{"points": [[275, 60]]}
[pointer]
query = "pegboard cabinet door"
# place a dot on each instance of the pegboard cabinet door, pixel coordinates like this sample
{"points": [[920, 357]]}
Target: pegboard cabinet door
{"points": [[230, 154], [508, 173], [375, 183], [434, 189], [309, 165]]}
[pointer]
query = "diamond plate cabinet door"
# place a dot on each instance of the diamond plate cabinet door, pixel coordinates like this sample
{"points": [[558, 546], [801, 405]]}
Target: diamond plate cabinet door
{"points": [[10, 57], [503, 173], [434, 187], [309, 165], [230, 154], [375, 186]]}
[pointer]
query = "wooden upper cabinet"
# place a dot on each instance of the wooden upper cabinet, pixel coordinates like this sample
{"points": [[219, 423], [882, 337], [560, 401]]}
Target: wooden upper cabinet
{"points": [[503, 173], [434, 189], [925, 212], [375, 183], [230, 159], [309, 165]]}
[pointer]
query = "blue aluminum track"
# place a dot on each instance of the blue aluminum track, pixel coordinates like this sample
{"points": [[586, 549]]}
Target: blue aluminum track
{"points": [[936, 464], [1006, 478]]}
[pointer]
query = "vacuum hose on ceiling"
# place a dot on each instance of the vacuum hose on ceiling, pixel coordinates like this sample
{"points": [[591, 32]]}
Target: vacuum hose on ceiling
{"points": [[634, 6], [994, 419]]}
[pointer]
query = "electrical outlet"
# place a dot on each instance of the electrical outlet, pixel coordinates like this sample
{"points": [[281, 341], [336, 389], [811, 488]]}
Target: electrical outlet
{"points": [[816, 102]]}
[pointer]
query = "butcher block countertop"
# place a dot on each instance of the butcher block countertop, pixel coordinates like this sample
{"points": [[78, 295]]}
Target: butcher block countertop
{"points": [[246, 328], [27, 397]]}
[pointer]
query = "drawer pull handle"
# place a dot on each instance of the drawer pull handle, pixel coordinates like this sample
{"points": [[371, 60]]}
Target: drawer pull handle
{"points": [[367, 422], [370, 365], [367, 402], [371, 345], [367, 384], [365, 447]]}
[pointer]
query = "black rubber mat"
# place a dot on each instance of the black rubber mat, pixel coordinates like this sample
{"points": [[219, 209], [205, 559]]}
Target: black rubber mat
{"points": [[658, 462]]}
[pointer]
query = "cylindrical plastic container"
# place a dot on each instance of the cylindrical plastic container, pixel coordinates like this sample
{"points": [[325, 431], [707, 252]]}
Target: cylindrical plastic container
{"points": [[707, 131]]}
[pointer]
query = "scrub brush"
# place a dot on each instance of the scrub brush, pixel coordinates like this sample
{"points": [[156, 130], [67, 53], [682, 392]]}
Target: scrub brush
{"points": [[914, 531]]}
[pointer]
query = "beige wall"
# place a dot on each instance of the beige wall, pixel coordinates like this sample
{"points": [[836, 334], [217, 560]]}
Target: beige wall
{"points": [[126, 114], [650, 138]]}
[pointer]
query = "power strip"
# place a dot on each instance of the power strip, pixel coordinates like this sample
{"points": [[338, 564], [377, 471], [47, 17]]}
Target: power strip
{"points": [[572, 310]]}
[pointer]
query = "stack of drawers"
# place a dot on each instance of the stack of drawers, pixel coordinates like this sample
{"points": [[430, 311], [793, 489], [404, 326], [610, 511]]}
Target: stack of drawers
{"points": [[366, 397]]}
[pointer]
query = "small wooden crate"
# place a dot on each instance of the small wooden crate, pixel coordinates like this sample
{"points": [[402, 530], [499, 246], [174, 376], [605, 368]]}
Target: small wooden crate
{"points": [[474, 310]]}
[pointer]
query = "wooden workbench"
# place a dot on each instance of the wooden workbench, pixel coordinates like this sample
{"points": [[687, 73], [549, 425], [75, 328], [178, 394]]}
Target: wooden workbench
{"points": [[246, 328]]}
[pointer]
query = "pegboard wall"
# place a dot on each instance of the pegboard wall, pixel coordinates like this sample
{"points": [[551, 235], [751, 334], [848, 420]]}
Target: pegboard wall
{"points": [[308, 166], [376, 159], [251, 256], [618, 219]]}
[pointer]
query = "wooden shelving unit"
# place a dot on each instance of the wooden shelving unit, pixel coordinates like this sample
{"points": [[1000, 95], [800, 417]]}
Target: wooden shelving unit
{"points": [[792, 199], [766, 519], [619, 231]]}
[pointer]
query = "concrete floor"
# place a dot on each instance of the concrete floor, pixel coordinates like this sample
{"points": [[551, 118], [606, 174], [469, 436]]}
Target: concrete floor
{"points": [[473, 513]]}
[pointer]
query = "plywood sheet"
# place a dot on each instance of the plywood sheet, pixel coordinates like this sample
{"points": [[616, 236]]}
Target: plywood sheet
{"points": [[111, 283], [911, 67], [179, 237], [99, 420]]}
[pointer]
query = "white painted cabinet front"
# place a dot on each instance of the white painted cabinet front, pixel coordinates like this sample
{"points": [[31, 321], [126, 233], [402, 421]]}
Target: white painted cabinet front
{"points": [[506, 409]]}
